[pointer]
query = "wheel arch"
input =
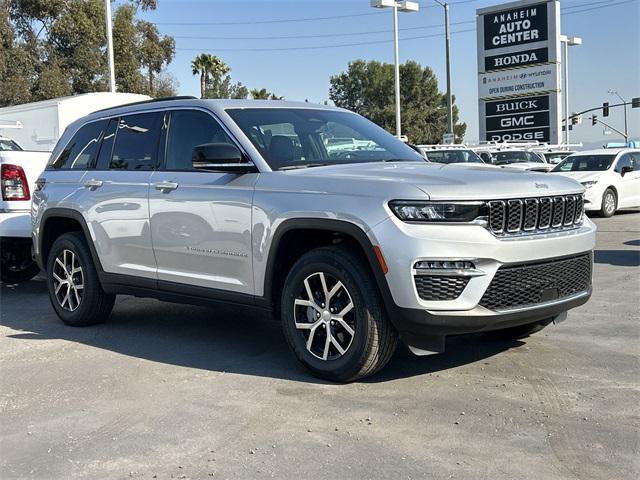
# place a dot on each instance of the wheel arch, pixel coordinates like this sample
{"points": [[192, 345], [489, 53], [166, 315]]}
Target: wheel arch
{"points": [[330, 232], [56, 222]]}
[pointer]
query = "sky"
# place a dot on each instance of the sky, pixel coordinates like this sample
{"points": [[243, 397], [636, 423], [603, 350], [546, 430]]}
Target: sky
{"points": [[318, 39]]}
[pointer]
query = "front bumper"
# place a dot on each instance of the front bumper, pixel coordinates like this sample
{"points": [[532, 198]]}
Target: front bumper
{"points": [[405, 244]]}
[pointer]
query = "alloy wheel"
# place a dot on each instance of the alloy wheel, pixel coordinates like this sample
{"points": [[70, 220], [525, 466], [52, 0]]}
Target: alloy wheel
{"points": [[68, 280], [609, 202], [324, 315]]}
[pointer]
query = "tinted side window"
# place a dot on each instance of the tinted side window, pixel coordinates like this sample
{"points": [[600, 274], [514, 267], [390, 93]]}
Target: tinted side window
{"points": [[625, 161], [187, 129], [136, 143], [81, 151]]}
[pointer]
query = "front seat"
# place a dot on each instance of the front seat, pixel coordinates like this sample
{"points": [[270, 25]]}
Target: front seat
{"points": [[282, 152]]}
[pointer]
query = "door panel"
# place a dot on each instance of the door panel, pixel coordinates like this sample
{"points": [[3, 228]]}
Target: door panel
{"points": [[200, 220], [119, 221], [201, 230], [117, 194], [628, 185]]}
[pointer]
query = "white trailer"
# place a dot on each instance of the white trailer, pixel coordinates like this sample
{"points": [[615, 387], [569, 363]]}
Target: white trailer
{"points": [[42, 123]]}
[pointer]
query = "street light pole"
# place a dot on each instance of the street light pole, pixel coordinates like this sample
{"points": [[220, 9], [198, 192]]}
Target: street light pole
{"points": [[447, 34], [567, 42], [112, 73], [397, 69], [626, 129], [398, 6]]}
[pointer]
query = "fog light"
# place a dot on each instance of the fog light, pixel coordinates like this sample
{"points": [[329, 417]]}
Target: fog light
{"points": [[445, 265]]}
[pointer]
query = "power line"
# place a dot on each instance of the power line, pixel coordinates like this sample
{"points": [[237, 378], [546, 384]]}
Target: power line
{"points": [[296, 20], [319, 47], [598, 5], [609, 4], [323, 35], [337, 17]]}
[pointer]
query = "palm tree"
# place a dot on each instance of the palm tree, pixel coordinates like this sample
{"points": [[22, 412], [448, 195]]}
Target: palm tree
{"points": [[207, 65], [264, 94]]}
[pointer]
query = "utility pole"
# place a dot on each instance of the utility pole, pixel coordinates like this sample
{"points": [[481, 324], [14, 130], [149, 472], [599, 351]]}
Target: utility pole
{"points": [[112, 72], [626, 127], [396, 69], [447, 34]]}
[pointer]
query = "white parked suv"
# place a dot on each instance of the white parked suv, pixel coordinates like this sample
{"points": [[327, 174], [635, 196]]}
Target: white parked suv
{"points": [[611, 178], [198, 201]]}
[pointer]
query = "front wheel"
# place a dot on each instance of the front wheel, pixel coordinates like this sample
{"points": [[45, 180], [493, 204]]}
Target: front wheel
{"points": [[333, 317], [609, 203]]}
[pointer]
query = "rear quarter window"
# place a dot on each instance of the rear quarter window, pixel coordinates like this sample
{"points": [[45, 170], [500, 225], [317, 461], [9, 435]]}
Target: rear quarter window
{"points": [[81, 151]]}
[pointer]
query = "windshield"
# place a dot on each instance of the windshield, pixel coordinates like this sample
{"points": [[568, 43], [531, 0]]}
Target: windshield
{"points": [[296, 138], [452, 156], [7, 145], [515, 156], [555, 157], [585, 163]]}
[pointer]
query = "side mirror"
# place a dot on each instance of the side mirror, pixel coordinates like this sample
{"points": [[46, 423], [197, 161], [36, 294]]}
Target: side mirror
{"points": [[220, 157], [626, 169]]}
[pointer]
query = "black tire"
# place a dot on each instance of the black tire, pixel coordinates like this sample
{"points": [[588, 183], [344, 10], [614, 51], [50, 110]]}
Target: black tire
{"points": [[607, 209], [374, 339], [95, 305], [515, 333]]}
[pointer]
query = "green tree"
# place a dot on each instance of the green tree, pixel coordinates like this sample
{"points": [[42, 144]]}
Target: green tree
{"points": [[208, 66], [156, 51], [263, 94], [58, 47], [368, 89], [126, 46]]}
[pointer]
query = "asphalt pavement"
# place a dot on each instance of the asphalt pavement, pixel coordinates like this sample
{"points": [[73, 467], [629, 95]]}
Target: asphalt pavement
{"points": [[172, 391]]}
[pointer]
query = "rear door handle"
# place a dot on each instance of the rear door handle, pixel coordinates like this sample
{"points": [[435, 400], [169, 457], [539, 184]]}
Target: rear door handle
{"points": [[165, 187], [93, 184]]}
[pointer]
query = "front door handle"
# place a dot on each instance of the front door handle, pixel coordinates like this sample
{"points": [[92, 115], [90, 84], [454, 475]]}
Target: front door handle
{"points": [[93, 184], [165, 187]]}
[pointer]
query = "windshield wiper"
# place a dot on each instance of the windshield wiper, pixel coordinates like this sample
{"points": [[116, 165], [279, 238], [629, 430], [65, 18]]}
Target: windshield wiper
{"points": [[397, 160], [304, 165]]}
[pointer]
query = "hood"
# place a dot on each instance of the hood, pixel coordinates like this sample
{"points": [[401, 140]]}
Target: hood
{"points": [[580, 176], [531, 166], [439, 181]]}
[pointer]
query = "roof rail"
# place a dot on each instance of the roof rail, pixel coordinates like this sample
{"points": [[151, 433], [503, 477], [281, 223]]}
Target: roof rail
{"points": [[152, 100]]}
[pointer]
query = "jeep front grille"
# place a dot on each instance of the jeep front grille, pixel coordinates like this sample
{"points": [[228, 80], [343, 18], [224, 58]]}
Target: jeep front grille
{"points": [[527, 284], [439, 288], [535, 215]]}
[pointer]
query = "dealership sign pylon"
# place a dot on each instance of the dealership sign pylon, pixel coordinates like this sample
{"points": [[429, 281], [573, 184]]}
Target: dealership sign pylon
{"points": [[519, 71]]}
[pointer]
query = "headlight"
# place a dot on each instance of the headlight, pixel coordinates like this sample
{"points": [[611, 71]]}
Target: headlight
{"points": [[589, 184], [454, 212]]}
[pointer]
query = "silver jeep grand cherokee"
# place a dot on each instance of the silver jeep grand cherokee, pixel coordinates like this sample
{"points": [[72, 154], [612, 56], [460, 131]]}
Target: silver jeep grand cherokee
{"points": [[313, 213]]}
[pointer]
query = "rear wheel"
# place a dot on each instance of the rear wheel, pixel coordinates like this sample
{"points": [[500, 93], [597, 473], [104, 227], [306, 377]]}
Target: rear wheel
{"points": [[609, 203], [333, 318], [74, 288], [515, 333]]}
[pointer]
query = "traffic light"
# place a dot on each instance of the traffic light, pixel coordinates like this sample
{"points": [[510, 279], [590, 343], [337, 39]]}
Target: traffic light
{"points": [[594, 120], [576, 119], [605, 109], [635, 102]]}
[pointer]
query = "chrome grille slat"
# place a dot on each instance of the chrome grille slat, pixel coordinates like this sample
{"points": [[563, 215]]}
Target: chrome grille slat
{"points": [[514, 216], [520, 216], [530, 214], [557, 218]]}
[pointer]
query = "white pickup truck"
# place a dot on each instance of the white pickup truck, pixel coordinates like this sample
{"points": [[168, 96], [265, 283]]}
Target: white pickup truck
{"points": [[19, 171]]}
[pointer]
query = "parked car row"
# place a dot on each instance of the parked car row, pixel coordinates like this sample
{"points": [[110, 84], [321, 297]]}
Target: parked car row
{"points": [[610, 176]]}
